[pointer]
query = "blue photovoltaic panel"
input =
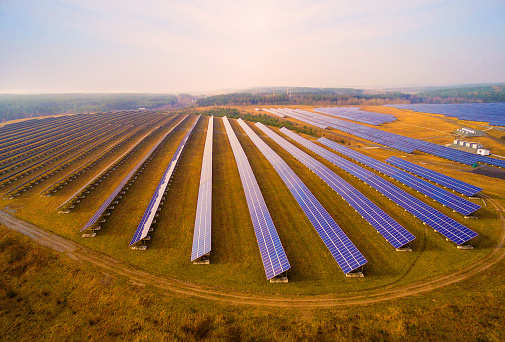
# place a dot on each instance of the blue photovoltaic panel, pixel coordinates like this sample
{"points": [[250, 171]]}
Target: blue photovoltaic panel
{"points": [[275, 261], [391, 230], [101, 210], [96, 142], [396, 141], [440, 195], [150, 212], [345, 253], [64, 149], [409, 145], [203, 219], [484, 112], [274, 112], [104, 171], [356, 114], [436, 177], [295, 115], [451, 229]]}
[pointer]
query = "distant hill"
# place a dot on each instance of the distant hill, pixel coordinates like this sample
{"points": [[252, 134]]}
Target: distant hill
{"points": [[352, 96], [303, 90], [24, 106], [470, 93], [308, 96]]}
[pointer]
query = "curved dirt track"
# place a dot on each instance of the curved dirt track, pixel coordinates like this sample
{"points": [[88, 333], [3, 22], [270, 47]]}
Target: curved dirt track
{"points": [[139, 277]]}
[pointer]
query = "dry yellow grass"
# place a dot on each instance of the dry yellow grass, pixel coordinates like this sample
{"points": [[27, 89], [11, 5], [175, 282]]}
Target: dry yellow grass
{"points": [[109, 308]]}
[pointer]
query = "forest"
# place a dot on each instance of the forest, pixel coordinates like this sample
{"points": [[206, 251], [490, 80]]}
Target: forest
{"points": [[24, 106], [350, 96]]}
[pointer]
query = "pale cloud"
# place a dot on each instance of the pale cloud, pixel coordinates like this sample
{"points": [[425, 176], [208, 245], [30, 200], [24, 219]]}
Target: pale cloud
{"points": [[205, 45]]}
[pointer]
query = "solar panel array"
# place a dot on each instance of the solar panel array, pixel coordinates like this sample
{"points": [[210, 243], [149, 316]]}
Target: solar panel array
{"points": [[93, 223], [15, 150], [356, 114], [392, 140], [153, 207], [294, 114], [79, 194], [275, 261], [39, 152], [440, 195], [345, 253], [483, 112], [91, 145], [274, 112], [436, 177], [203, 220], [448, 227], [123, 140], [40, 160], [391, 230]]}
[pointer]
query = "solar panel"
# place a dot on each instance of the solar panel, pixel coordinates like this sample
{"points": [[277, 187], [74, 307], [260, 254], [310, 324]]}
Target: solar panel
{"points": [[92, 223], [345, 253], [275, 261], [63, 150], [436, 177], [356, 114], [451, 229], [274, 112], [391, 230], [203, 220], [146, 222], [396, 141], [125, 137], [442, 196], [295, 115], [484, 112], [97, 142], [69, 202]]}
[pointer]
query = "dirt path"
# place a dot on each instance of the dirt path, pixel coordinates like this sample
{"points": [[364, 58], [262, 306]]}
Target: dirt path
{"points": [[141, 278]]}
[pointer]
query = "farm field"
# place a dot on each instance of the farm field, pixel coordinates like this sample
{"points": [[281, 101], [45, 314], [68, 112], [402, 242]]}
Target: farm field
{"points": [[236, 269]]}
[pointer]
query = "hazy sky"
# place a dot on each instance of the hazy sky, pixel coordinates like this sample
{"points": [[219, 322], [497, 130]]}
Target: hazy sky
{"points": [[175, 46]]}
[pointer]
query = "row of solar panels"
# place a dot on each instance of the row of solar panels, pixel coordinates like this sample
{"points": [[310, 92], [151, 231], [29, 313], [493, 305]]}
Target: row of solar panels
{"points": [[94, 223], [38, 143], [356, 114], [123, 138], [97, 143], [146, 225], [38, 159], [275, 261], [56, 158], [35, 127], [66, 126], [80, 193], [440, 195], [436, 177], [273, 256], [445, 225], [21, 129], [392, 140], [202, 235], [481, 112], [444, 197], [63, 138], [344, 251]]}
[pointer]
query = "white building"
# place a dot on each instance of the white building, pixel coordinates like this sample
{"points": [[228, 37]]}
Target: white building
{"points": [[483, 151]]}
